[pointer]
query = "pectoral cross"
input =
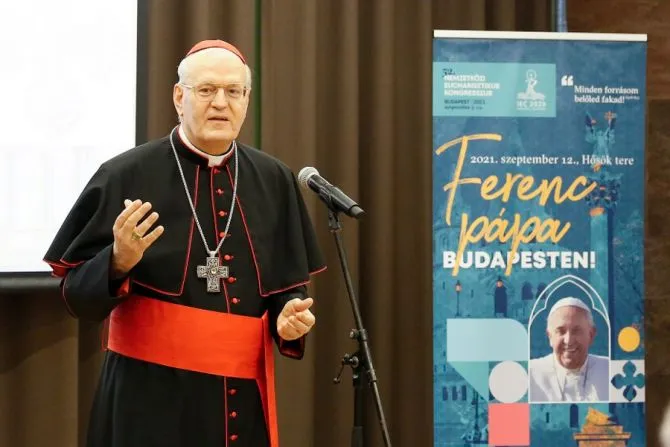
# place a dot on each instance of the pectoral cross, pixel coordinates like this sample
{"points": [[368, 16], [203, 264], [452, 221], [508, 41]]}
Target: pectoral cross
{"points": [[214, 272]]}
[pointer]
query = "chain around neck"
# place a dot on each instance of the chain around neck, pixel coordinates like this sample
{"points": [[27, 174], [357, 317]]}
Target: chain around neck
{"points": [[190, 200]]}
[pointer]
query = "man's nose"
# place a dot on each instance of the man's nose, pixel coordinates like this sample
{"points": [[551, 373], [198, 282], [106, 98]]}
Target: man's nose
{"points": [[220, 98], [567, 337]]}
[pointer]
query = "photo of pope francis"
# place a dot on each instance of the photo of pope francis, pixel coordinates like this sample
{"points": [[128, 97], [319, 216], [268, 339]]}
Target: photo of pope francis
{"points": [[569, 373]]}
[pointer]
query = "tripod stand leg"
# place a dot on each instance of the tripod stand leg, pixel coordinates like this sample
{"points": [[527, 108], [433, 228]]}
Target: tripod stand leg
{"points": [[359, 408]]}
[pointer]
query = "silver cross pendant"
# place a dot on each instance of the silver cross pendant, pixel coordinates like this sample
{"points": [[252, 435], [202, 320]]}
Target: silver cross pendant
{"points": [[214, 272]]}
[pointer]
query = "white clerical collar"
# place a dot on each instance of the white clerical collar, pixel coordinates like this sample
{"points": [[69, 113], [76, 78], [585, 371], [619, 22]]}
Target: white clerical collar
{"points": [[562, 372], [214, 160]]}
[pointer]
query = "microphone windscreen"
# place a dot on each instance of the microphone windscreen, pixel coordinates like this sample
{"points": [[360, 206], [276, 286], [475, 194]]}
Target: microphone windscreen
{"points": [[305, 173]]}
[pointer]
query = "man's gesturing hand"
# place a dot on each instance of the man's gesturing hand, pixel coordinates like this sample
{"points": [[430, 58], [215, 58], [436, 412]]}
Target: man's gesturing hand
{"points": [[295, 319], [130, 239]]}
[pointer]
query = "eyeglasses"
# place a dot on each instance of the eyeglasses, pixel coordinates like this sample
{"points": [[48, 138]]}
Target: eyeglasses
{"points": [[207, 92]]}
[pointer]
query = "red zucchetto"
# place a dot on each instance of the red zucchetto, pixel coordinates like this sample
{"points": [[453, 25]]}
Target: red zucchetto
{"points": [[203, 45]]}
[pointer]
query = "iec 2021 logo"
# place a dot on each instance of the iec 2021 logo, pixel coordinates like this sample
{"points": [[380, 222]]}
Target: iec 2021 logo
{"points": [[531, 99]]}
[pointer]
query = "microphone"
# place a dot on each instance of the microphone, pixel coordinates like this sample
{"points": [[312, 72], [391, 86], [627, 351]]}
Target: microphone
{"points": [[332, 196]]}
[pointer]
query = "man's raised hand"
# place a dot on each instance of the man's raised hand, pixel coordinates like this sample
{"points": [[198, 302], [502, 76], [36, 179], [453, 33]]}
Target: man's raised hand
{"points": [[295, 320], [130, 239]]}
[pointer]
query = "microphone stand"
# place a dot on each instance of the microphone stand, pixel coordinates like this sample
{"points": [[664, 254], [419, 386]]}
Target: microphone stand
{"points": [[361, 360]]}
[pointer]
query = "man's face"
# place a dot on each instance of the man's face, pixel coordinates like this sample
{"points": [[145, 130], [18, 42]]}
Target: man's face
{"points": [[570, 336], [213, 123]]}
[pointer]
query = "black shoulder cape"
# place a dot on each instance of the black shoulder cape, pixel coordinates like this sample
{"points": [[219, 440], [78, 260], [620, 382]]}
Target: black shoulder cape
{"points": [[277, 223]]}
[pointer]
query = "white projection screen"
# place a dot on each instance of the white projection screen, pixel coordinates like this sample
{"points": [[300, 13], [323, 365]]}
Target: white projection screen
{"points": [[68, 77]]}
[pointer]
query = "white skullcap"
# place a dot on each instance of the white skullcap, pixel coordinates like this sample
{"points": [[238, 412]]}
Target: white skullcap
{"points": [[569, 301]]}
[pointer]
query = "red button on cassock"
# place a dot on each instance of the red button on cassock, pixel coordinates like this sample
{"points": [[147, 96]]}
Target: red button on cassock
{"points": [[235, 300], [233, 437], [232, 391], [222, 234], [219, 191], [233, 414], [232, 279], [222, 213], [228, 257]]}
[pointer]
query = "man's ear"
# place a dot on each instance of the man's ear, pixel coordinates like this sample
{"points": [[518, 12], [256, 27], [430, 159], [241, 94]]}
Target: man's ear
{"points": [[178, 98]]}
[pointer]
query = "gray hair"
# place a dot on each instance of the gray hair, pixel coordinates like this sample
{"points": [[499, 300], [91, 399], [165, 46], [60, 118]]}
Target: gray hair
{"points": [[589, 316], [184, 67]]}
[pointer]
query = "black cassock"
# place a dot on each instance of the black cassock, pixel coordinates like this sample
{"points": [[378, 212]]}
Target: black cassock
{"points": [[270, 249]]}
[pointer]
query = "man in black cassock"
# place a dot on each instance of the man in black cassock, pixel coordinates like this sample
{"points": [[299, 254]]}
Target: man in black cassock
{"points": [[197, 250]]}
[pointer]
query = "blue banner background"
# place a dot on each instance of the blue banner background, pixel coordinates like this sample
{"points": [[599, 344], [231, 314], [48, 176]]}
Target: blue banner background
{"points": [[488, 85]]}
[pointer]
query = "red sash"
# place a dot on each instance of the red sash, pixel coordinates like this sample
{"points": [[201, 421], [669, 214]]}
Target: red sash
{"points": [[199, 340]]}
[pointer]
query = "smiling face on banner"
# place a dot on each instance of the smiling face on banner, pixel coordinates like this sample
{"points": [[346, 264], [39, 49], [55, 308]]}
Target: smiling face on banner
{"points": [[571, 333]]}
